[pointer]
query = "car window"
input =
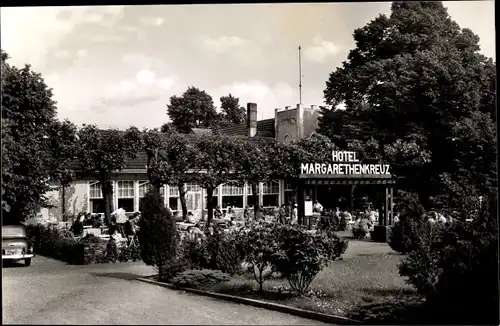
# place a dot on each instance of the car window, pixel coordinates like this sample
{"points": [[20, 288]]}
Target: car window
{"points": [[13, 231]]}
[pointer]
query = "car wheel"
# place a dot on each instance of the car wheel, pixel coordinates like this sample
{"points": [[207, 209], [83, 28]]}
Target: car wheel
{"points": [[27, 262]]}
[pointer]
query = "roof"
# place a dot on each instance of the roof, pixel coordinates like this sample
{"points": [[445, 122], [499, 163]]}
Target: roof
{"points": [[140, 161], [265, 128]]}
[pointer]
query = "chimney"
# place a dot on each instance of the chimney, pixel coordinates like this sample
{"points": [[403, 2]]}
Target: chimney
{"points": [[314, 107], [251, 119], [287, 108]]}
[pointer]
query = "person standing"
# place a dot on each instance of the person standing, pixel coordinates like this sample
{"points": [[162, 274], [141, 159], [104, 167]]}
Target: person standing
{"points": [[282, 214], [121, 219], [295, 215]]}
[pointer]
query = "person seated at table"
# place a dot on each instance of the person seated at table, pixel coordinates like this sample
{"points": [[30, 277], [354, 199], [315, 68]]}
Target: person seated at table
{"points": [[129, 227], [190, 218], [217, 212], [317, 208], [176, 217], [87, 221]]}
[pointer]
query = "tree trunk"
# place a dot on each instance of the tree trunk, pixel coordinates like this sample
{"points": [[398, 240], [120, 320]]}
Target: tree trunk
{"points": [[63, 202], [182, 196], [256, 206], [210, 205], [107, 193]]}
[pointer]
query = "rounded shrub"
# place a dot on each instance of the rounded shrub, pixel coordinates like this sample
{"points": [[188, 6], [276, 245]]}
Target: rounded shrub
{"points": [[157, 235]]}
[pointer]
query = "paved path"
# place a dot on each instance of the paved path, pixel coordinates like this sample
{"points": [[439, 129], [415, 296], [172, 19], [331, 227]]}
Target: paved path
{"points": [[51, 292]]}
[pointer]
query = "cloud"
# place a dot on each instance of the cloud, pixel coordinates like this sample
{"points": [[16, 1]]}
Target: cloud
{"points": [[321, 50], [222, 44], [62, 54], [166, 82], [152, 21], [82, 53], [145, 77]]}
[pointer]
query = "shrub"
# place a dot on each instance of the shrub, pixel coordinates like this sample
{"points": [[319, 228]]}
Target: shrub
{"points": [[259, 244], [157, 237], [301, 255], [200, 278], [456, 269], [225, 251], [129, 253], [171, 269], [360, 230], [390, 312], [218, 251], [195, 252], [405, 234]]}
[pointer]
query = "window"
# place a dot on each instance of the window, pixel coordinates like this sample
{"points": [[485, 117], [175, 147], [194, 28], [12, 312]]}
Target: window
{"points": [[144, 187], [232, 195], [288, 193], [270, 193], [251, 199], [173, 198], [126, 195], [95, 198], [193, 196]]}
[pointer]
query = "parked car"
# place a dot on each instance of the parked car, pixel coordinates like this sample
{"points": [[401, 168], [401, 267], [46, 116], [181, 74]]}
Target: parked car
{"points": [[16, 245]]}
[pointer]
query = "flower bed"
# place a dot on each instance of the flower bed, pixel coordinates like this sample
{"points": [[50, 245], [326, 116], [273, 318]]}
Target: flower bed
{"points": [[60, 244], [292, 266]]}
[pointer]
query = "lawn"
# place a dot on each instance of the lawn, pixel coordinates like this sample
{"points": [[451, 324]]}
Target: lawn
{"points": [[368, 273]]}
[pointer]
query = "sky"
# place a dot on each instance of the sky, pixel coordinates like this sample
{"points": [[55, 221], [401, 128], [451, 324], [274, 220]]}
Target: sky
{"points": [[117, 66]]}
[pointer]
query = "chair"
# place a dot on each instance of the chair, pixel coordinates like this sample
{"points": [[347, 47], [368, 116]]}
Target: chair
{"points": [[132, 240]]}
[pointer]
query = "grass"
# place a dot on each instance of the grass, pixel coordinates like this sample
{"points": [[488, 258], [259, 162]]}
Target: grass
{"points": [[367, 274]]}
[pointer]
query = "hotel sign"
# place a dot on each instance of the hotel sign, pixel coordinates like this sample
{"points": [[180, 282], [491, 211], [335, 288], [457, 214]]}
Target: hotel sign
{"points": [[345, 163]]}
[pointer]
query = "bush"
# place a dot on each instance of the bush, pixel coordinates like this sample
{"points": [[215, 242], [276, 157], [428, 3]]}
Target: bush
{"points": [[54, 243], [200, 278], [157, 237], [225, 251], [405, 234], [301, 255], [360, 230], [259, 244], [390, 312], [129, 253], [218, 251], [456, 269], [195, 252], [171, 269]]}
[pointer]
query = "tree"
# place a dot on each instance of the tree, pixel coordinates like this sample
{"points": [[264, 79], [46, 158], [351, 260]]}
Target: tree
{"points": [[153, 143], [411, 78], [214, 164], [29, 162], [64, 149], [175, 165], [194, 109], [104, 152], [254, 166], [232, 113]]}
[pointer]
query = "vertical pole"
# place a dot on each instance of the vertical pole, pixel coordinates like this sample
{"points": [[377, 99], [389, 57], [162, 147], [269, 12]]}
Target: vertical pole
{"points": [[351, 198], [386, 207], [300, 77], [391, 206]]}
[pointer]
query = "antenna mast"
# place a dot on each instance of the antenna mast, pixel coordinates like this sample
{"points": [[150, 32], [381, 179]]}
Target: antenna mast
{"points": [[300, 77]]}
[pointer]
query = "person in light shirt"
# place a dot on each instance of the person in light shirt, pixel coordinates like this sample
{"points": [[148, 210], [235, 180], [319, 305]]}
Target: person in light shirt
{"points": [[121, 219], [318, 208], [295, 214]]}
